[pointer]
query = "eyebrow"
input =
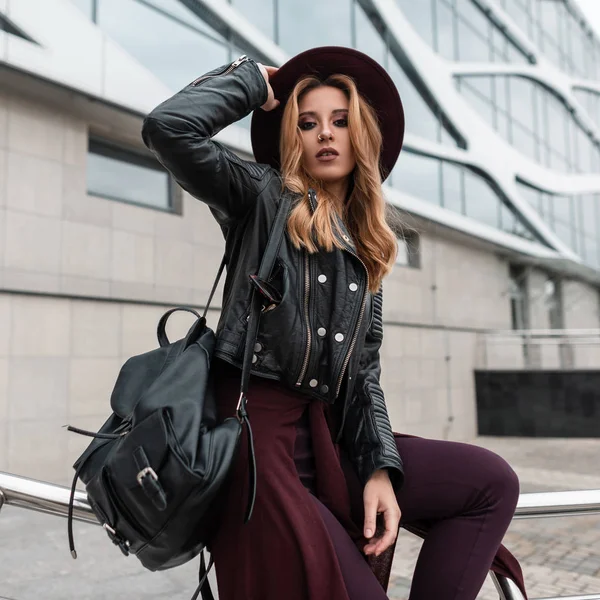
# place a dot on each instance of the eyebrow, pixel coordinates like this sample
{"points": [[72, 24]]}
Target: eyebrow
{"points": [[311, 113]]}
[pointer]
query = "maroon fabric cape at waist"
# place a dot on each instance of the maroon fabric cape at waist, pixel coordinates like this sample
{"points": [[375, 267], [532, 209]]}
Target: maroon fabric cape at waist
{"points": [[330, 476]]}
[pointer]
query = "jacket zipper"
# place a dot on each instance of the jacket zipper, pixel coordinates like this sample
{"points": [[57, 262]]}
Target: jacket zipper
{"points": [[355, 336], [231, 67], [306, 316]]}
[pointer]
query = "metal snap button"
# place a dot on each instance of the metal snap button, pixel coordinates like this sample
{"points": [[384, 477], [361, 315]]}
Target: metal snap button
{"points": [[257, 347], [322, 278], [346, 238], [339, 337], [254, 358], [324, 388], [321, 331], [353, 287], [313, 383]]}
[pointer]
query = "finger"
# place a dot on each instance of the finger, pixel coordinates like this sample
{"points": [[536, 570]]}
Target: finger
{"points": [[392, 520], [271, 70], [370, 517]]}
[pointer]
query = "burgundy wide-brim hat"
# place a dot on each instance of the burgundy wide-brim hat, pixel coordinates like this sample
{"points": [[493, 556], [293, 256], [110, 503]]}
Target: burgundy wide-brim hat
{"points": [[371, 79]]}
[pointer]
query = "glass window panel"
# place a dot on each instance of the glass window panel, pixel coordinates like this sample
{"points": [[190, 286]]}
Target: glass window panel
{"points": [[367, 37], [261, 13], [452, 187], [551, 51], [501, 89], [563, 208], [420, 120], [532, 196], [418, 176], [445, 38], [477, 92], [159, 43], [557, 161], [125, 176], [468, 11], [549, 18], [508, 219], [179, 11], [590, 250], [589, 212], [420, 15], [481, 201], [548, 209], [524, 140], [514, 55], [585, 151], [577, 46], [85, 6], [555, 123], [521, 101], [471, 45], [520, 14], [565, 233], [304, 25], [503, 126]]}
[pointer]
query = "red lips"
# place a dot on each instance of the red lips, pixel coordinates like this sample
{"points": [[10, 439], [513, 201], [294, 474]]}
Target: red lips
{"points": [[324, 150]]}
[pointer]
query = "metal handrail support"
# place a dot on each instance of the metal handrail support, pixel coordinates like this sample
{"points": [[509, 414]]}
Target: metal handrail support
{"points": [[54, 500]]}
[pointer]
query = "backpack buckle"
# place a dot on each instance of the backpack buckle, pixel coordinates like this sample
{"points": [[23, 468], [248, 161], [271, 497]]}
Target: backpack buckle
{"points": [[146, 471]]}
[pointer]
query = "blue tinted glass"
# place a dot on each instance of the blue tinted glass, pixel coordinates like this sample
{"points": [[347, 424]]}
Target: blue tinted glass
{"points": [[549, 18], [524, 140], [418, 176], [555, 123], [521, 101], [444, 31], [312, 23], [468, 12], [589, 211], [368, 39], [477, 91], [261, 13], [175, 53], [420, 16], [482, 203], [472, 46], [453, 187], [501, 93], [419, 118], [85, 6], [177, 10], [116, 178]]}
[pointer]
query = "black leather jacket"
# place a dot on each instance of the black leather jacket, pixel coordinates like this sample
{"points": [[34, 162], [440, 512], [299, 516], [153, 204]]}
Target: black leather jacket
{"points": [[323, 338]]}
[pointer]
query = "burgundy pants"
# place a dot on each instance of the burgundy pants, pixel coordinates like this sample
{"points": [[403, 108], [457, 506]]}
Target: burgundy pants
{"points": [[461, 497]]}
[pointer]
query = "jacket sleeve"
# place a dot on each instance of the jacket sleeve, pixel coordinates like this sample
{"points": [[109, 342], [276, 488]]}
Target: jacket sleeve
{"points": [[367, 433], [179, 133]]}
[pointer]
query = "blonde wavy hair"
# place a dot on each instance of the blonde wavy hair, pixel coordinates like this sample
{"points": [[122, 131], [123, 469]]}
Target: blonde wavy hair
{"points": [[364, 212]]}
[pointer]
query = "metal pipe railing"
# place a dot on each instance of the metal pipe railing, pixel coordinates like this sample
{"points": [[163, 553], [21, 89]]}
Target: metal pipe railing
{"points": [[54, 500]]}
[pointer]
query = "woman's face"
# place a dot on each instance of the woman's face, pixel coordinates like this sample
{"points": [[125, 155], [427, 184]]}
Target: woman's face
{"points": [[323, 122]]}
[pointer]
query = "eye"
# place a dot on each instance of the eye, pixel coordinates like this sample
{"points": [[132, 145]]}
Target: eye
{"points": [[341, 123], [306, 125]]}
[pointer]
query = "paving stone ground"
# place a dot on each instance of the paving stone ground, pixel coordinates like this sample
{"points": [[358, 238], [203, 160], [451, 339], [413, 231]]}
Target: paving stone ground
{"points": [[560, 556]]}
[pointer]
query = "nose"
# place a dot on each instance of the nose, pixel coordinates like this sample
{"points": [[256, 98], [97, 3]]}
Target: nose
{"points": [[325, 135]]}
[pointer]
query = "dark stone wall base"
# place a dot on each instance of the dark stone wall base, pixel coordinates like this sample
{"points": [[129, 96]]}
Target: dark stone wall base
{"points": [[538, 403]]}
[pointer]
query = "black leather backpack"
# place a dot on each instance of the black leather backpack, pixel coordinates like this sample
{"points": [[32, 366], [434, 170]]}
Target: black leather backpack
{"points": [[159, 461]]}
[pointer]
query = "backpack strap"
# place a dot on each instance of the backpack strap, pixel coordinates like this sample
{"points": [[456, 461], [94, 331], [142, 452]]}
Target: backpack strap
{"points": [[266, 266]]}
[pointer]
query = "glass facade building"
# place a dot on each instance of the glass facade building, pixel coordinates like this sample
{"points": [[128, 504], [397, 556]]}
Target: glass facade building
{"points": [[178, 39]]}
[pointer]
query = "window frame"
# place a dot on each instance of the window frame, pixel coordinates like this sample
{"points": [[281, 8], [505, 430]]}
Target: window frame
{"points": [[127, 154], [412, 241]]}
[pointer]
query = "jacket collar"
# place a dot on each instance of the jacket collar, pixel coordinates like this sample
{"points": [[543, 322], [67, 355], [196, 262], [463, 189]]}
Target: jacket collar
{"points": [[345, 239]]}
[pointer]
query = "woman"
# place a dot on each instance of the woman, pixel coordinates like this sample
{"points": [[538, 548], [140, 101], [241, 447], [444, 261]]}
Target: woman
{"points": [[327, 128]]}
